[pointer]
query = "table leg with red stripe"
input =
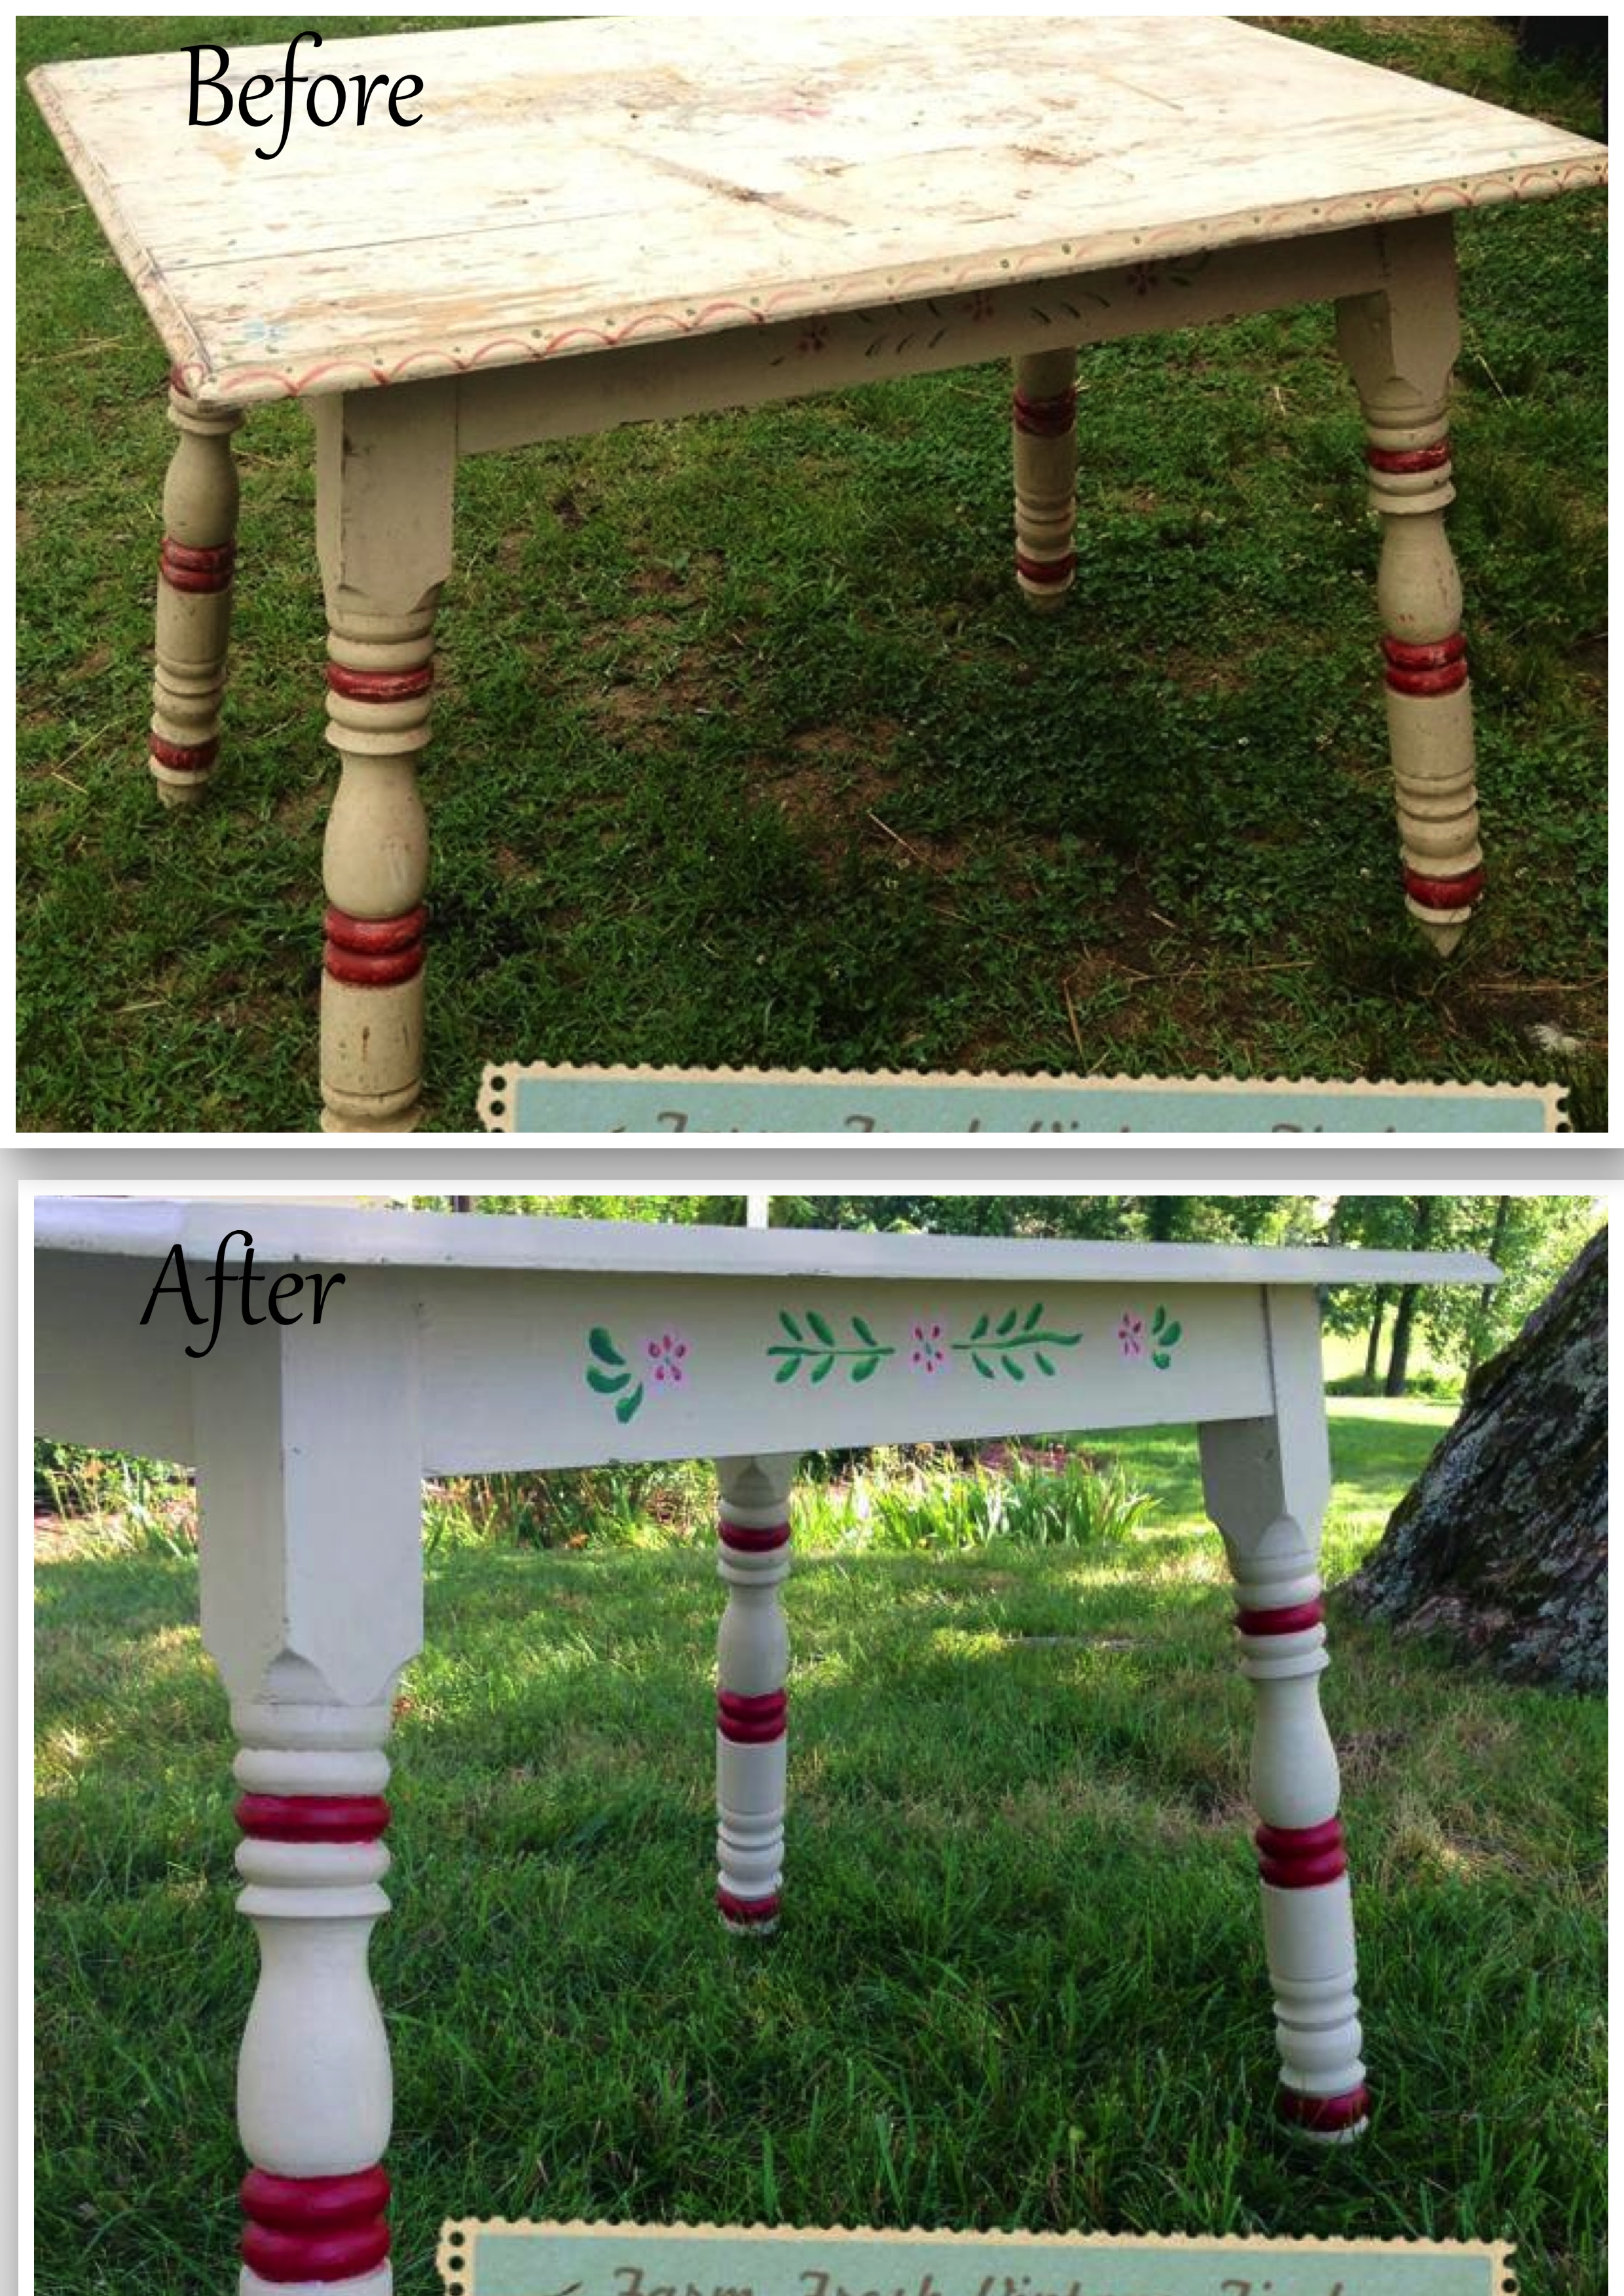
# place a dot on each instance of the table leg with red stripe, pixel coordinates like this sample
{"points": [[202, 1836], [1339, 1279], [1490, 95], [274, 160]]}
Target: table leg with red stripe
{"points": [[1400, 346], [1266, 1484], [386, 465], [310, 1566], [752, 1669], [195, 565], [1045, 420]]}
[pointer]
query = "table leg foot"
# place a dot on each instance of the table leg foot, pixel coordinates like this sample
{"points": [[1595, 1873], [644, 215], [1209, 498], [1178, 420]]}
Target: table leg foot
{"points": [[752, 1703], [313, 2083], [195, 565], [1400, 344], [1044, 418]]}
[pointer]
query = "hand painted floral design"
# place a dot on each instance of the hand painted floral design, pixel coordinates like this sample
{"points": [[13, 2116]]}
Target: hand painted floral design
{"points": [[1165, 1336], [1130, 1335], [609, 1373], [667, 1355], [930, 1350], [990, 1347], [813, 1346]]}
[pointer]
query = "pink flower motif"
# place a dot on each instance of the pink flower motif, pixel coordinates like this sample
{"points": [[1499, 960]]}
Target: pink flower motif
{"points": [[1130, 1335], [666, 1355], [1141, 277], [930, 1351], [814, 335]]}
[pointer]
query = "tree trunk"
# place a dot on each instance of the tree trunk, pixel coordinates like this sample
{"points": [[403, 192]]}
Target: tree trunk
{"points": [[1373, 1352], [1404, 1322], [1501, 1544], [1497, 1241]]}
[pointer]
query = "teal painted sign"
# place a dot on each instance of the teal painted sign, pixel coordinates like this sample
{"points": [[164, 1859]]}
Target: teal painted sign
{"points": [[545, 1099], [544, 2259]]}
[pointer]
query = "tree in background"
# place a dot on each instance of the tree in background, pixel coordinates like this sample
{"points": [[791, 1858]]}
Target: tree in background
{"points": [[1501, 1547]]}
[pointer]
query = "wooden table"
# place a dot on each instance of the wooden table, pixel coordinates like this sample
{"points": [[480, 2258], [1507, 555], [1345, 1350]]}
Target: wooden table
{"points": [[460, 1346], [608, 221]]}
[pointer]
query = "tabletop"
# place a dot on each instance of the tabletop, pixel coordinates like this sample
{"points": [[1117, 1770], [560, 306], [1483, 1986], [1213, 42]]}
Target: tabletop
{"points": [[574, 186]]}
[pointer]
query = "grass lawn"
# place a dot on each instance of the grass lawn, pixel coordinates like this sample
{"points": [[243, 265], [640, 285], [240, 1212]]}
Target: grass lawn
{"points": [[746, 751], [1020, 1982]]}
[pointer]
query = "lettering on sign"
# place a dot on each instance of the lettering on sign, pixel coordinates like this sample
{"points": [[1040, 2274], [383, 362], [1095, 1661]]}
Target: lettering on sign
{"points": [[327, 98], [287, 1286]]}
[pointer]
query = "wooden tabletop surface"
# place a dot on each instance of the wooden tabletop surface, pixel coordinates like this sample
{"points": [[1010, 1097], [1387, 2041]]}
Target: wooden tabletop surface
{"points": [[286, 1235], [579, 185]]}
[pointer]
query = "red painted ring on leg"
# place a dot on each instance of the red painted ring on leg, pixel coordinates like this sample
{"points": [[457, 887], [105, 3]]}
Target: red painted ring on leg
{"points": [[752, 1721], [315, 2228], [747, 1909], [1288, 1618], [1324, 2114], [185, 757], [746, 1539], [1445, 893], [375, 951], [312, 1817], [1302, 1857], [1046, 418], [184, 567], [379, 684], [1047, 573], [1403, 459]]}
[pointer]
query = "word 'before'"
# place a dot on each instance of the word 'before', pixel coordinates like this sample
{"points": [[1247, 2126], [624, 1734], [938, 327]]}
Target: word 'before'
{"points": [[258, 86], [248, 1275]]}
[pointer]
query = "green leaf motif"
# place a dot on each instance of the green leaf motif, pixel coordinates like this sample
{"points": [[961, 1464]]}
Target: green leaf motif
{"points": [[863, 1332], [1009, 1344], [605, 1382], [627, 1407], [603, 1347], [820, 1327], [864, 1370], [790, 1323], [786, 1371], [1007, 1322], [1172, 1334], [1012, 1366], [1161, 1361], [819, 1355], [1034, 1318], [985, 1369], [979, 1331], [821, 1369]]}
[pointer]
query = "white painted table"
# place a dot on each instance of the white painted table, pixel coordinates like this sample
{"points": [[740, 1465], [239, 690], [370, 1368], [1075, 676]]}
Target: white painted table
{"points": [[607, 221], [459, 1346]]}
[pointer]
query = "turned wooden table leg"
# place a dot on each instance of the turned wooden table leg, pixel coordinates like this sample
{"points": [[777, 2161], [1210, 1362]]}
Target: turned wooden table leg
{"points": [[386, 464], [1401, 344], [193, 616], [1045, 417], [752, 1668], [1266, 1483], [310, 1569]]}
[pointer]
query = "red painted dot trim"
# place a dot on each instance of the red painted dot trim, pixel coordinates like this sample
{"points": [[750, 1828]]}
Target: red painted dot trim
{"points": [[375, 951], [315, 2228], [1439, 669], [312, 1817], [1046, 418], [752, 1721], [1402, 461], [1046, 572], [1325, 2112], [748, 1909], [1300, 1857], [379, 684], [186, 568], [1290, 1618], [745, 1540], [189, 757], [1445, 893]]}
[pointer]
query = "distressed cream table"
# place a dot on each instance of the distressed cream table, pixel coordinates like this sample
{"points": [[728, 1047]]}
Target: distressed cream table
{"points": [[604, 222], [454, 1345]]}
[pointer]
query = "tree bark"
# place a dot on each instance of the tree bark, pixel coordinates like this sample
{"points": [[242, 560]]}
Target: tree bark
{"points": [[1501, 1544], [1373, 1352]]}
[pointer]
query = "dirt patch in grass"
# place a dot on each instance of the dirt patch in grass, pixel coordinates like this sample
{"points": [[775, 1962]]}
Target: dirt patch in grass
{"points": [[831, 780]]}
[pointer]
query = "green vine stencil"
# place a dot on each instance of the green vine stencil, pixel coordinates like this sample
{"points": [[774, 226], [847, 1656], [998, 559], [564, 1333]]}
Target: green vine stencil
{"points": [[611, 1374], [1014, 1335], [1165, 1336], [821, 1352]]}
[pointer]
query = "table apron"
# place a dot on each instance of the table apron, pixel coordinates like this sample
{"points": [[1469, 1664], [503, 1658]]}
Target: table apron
{"points": [[577, 394]]}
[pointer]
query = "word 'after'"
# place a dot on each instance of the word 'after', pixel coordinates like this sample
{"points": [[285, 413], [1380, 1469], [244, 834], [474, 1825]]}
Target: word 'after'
{"points": [[247, 1276], [258, 86]]}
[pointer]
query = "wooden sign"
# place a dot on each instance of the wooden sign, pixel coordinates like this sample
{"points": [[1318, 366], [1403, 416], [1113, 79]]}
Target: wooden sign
{"points": [[546, 1098], [497, 2258]]}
